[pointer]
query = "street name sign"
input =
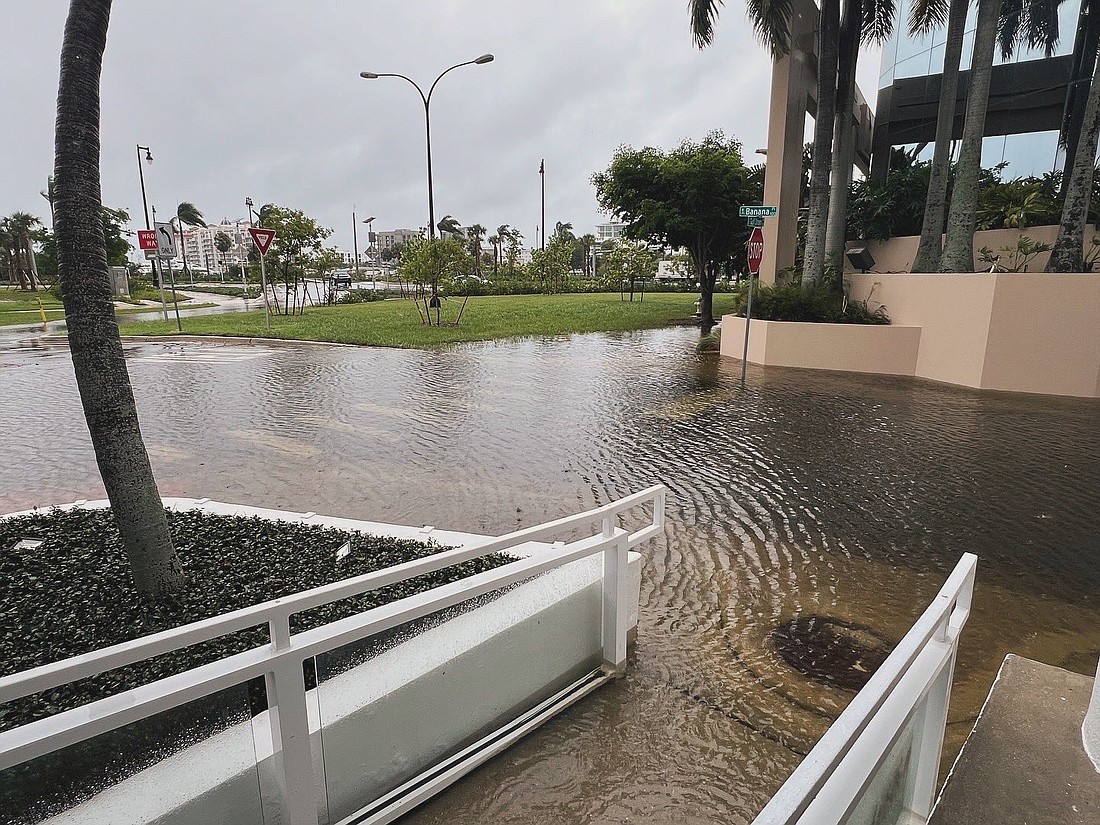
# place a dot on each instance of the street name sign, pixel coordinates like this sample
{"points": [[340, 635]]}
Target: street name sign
{"points": [[756, 250], [166, 241], [754, 221], [262, 238], [759, 211]]}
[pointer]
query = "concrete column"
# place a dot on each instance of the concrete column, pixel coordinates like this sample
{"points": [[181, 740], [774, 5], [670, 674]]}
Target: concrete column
{"points": [[793, 84]]}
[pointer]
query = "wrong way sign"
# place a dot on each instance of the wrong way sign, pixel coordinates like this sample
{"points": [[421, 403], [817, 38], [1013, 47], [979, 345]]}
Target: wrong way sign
{"points": [[262, 238]]}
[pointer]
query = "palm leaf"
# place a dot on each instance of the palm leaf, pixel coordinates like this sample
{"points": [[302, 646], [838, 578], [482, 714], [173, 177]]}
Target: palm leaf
{"points": [[703, 13], [189, 214], [771, 20], [926, 15], [1040, 25], [878, 20]]}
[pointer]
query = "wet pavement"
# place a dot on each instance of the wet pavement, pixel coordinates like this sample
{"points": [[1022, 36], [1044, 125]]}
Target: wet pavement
{"points": [[806, 494]]}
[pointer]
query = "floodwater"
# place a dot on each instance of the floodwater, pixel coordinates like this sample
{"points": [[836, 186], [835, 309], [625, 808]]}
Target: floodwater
{"points": [[803, 494]]}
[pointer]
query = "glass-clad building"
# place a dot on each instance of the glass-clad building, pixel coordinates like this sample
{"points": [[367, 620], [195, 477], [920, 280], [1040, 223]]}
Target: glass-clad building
{"points": [[1032, 99]]}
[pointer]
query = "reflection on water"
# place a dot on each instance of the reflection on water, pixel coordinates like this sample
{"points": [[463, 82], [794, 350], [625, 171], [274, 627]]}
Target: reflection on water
{"points": [[805, 494]]}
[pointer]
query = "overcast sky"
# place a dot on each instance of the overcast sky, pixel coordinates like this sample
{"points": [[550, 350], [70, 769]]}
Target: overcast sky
{"points": [[264, 99]]}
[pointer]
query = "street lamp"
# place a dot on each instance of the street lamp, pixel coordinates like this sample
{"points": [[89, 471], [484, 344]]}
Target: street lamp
{"points": [[144, 200], [368, 222], [427, 98]]}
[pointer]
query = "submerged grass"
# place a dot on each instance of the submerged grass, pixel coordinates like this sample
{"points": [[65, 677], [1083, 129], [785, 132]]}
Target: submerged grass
{"points": [[396, 323]]}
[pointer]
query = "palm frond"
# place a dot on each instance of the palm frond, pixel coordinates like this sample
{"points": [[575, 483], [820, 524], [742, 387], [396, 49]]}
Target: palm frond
{"points": [[1009, 26], [771, 20], [703, 14], [1040, 25], [926, 15], [878, 20], [189, 214]]}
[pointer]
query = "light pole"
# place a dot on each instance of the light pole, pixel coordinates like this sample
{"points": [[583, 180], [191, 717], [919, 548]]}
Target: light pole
{"points": [[368, 222], [427, 98], [154, 263]]}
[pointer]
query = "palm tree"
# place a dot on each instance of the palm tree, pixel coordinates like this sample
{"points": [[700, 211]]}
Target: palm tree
{"points": [[502, 238], [1066, 255], [223, 243], [189, 214], [564, 232], [476, 234], [925, 15], [101, 377], [587, 242], [448, 226], [1010, 21]]}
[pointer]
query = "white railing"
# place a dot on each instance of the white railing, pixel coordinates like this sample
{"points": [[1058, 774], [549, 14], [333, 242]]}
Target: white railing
{"points": [[879, 761], [281, 661]]}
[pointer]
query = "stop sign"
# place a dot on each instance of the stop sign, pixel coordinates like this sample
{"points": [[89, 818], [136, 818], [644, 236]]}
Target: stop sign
{"points": [[756, 250]]}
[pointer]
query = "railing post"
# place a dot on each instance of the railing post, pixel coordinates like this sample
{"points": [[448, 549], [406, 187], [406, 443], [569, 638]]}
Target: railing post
{"points": [[289, 721], [929, 738], [616, 603]]}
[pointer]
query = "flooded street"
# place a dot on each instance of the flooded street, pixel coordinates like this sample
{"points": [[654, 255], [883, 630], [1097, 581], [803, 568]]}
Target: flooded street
{"points": [[804, 494]]}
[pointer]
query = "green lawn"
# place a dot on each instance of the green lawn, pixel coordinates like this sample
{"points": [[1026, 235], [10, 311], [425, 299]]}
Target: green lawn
{"points": [[395, 323], [13, 312]]}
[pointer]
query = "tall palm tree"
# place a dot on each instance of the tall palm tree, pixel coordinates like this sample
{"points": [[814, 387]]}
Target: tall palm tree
{"points": [[1066, 255], [588, 241], [476, 234], [448, 226], [564, 232], [101, 377], [223, 243], [187, 214], [1009, 21], [926, 15], [502, 238]]}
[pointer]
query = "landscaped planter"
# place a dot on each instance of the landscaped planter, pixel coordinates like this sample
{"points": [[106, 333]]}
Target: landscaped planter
{"points": [[879, 348], [388, 719]]}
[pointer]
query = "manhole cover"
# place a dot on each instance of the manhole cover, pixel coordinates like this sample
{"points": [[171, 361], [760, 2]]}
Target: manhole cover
{"points": [[838, 652]]}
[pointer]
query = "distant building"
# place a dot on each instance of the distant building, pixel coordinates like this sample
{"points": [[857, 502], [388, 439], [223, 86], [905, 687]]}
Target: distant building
{"points": [[609, 231], [201, 251], [385, 239]]}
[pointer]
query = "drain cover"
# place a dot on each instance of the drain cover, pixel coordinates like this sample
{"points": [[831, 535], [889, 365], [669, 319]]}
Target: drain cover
{"points": [[838, 652]]}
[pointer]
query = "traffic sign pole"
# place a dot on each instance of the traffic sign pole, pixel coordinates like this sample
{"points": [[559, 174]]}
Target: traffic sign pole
{"points": [[175, 298], [263, 238], [159, 271], [263, 287], [755, 256]]}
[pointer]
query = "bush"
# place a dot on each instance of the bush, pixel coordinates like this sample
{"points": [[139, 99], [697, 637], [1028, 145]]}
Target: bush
{"points": [[360, 296], [823, 304]]}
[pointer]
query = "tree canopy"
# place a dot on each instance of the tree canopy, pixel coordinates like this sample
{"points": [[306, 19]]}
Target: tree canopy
{"points": [[688, 197]]}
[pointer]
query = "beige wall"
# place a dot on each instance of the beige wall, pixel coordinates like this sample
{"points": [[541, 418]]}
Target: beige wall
{"points": [[1024, 332], [896, 254], [890, 350]]}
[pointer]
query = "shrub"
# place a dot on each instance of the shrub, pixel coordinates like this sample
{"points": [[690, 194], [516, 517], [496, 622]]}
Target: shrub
{"points": [[822, 303]]}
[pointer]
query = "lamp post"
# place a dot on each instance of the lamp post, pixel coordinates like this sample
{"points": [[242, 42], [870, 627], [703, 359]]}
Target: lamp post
{"points": [[155, 261], [427, 98], [368, 222]]}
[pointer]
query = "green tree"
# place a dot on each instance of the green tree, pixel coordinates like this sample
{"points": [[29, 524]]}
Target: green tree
{"points": [[475, 235], [689, 197], [115, 235], [187, 214], [628, 263], [223, 243], [448, 225], [296, 237], [433, 265], [94, 343], [550, 265], [19, 227]]}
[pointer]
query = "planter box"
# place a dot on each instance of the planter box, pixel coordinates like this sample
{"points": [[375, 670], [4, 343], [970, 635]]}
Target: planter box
{"points": [[889, 350]]}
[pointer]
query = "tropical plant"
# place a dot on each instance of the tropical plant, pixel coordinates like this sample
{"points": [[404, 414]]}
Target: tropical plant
{"points": [[1017, 258], [629, 264], [101, 377], [296, 237], [448, 225], [187, 214], [550, 265], [223, 243], [881, 210], [433, 265], [475, 235], [19, 228], [689, 197]]}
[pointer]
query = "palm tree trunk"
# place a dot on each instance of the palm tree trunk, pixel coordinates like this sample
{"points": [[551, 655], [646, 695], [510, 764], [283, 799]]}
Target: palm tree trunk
{"points": [[958, 251], [844, 131], [1067, 255], [935, 206], [98, 360], [813, 266]]}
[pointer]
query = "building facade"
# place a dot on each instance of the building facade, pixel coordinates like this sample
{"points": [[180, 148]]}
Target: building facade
{"points": [[385, 239], [1034, 99], [200, 250]]}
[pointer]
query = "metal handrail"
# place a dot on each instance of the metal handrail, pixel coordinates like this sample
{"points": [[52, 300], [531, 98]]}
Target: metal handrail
{"points": [[941, 621], [276, 612]]}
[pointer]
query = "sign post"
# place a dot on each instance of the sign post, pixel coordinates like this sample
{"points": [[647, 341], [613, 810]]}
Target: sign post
{"points": [[263, 238], [166, 251], [755, 255]]}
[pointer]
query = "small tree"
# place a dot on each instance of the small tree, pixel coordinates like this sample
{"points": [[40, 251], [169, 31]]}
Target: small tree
{"points": [[430, 264], [689, 197], [627, 264], [551, 265], [296, 236]]}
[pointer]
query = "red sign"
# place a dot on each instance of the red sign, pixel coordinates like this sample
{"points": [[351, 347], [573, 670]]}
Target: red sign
{"points": [[756, 250], [147, 238], [262, 238]]}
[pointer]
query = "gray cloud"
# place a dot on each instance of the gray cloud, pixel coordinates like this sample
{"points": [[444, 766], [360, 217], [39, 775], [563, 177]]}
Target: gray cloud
{"points": [[265, 99]]}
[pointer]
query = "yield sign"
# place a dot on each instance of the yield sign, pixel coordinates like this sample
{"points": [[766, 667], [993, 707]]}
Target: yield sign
{"points": [[756, 250], [262, 238]]}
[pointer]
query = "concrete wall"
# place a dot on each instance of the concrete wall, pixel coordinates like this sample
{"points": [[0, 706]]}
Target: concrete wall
{"points": [[1019, 332], [1090, 730], [896, 254], [890, 350]]}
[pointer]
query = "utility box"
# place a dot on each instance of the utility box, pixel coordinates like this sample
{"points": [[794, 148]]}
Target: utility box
{"points": [[120, 281]]}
